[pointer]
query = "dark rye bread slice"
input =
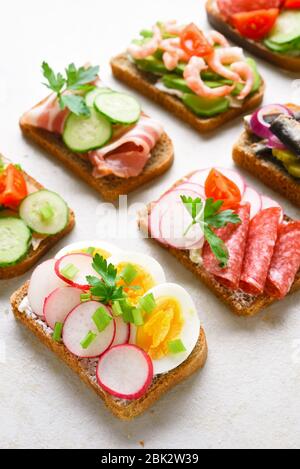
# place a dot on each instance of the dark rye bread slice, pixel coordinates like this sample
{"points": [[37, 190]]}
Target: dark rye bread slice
{"points": [[220, 23], [109, 187], [33, 256], [266, 170], [124, 410], [126, 71], [241, 304]]}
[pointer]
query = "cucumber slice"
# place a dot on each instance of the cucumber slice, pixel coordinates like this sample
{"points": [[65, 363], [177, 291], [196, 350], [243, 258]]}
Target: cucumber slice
{"points": [[83, 134], [287, 27], [119, 108], [205, 107], [15, 239], [45, 212], [91, 96]]}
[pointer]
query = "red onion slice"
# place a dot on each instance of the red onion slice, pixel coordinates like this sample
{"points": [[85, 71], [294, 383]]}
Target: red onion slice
{"points": [[258, 124]]}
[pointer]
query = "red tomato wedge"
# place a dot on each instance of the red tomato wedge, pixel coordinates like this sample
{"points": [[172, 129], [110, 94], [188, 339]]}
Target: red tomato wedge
{"points": [[219, 187], [230, 7], [13, 188], [292, 4], [255, 24], [194, 43]]}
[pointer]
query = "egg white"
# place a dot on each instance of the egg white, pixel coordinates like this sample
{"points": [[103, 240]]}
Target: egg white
{"points": [[79, 246], [147, 263], [190, 331]]}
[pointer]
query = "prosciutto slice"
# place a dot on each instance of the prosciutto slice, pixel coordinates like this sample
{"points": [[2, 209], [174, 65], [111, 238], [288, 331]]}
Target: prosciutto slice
{"points": [[47, 115], [127, 156]]}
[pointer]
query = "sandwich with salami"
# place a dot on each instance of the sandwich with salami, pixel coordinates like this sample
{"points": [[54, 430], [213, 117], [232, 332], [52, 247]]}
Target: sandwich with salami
{"points": [[197, 76], [98, 133], [236, 241]]}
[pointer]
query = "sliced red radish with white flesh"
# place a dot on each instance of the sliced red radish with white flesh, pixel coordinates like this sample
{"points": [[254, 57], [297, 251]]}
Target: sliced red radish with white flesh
{"points": [[80, 266], [254, 199], [200, 177], [175, 221], [267, 202], [79, 324], [192, 186], [154, 221], [43, 282], [125, 371], [122, 332], [60, 303]]}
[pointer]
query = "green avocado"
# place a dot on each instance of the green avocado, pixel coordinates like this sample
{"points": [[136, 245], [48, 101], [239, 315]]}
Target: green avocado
{"points": [[152, 65], [204, 107]]}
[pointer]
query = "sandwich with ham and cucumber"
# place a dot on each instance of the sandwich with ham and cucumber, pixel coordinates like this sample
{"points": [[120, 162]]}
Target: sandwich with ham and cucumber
{"points": [[113, 318], [269, 148], [32, 220], [269, 29], [236, 241], [100, 134], [197, 76]]}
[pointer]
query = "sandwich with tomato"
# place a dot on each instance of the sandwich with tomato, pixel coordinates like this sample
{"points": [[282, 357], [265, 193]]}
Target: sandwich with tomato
{"points": [[269, 29], [197, 76], [32, 220]]}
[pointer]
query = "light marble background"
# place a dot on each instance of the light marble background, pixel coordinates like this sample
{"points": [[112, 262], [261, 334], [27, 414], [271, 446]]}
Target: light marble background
{"points": [[248, 394]]}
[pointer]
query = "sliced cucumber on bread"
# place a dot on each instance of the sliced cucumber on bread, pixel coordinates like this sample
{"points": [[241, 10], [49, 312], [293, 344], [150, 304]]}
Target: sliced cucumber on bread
{"points": [[15, 237], [119, 108]]}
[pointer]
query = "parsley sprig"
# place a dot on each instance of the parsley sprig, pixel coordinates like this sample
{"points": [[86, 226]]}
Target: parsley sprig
{"points": [[105, 289], [75, 81], [210, 217]]}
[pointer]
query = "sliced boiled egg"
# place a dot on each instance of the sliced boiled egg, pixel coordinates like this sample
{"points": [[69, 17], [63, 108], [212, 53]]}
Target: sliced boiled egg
{"points": [[137, 274], [105, 250], [171, 331]]}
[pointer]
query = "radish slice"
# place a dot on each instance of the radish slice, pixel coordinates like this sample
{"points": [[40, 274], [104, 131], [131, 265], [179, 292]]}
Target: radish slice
{"points": [[83, 262], [254, 198], [59, 304], [79, 323], [125, 372], [192, 186], [200, 177], [154, 221], [122, 332], [175, 221], [43, 281], [267, 202]]}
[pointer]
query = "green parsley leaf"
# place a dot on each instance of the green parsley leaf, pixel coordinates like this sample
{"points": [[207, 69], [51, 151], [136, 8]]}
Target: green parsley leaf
{"points": [[75, 103], [81, 76], [105, 288], [55, 82], [107, 272]]}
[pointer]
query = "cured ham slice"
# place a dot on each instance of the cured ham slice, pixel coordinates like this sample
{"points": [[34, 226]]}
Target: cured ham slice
{"points": [[262, 237], [235, 238], [127, 156], [286, 261], [47, 115]]}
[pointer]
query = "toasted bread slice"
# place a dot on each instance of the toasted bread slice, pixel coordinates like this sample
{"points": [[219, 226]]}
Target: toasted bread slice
{"points": [[267, 171], [124, 410], [220, 23], [109, 187], [241, 304], [126, 71], [33, 256]]}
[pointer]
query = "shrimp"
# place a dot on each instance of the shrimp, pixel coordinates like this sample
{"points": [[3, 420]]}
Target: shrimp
{"points": [[215, 38], [246, 73], [172, 27], [194, 81], [173, 53], [225, 56], [140, 52]]}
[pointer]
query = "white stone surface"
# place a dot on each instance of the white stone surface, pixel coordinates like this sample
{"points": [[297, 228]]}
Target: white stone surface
{"points": [[248, 394]]}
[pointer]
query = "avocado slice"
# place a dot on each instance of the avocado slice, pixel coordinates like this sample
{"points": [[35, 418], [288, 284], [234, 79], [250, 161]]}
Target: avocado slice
{"points": [[152, 65], [204, 107]]}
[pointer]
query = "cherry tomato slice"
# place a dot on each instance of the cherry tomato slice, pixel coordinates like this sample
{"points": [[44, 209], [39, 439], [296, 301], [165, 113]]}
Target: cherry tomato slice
{"points": [[255, 24], [292, 4], [219, 187], [13, 188], [194, 43]]}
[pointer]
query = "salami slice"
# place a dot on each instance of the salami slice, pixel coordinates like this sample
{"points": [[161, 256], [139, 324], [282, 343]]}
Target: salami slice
{"points": [[230, 7], [262, 237], [286, 261], [235, 237]]}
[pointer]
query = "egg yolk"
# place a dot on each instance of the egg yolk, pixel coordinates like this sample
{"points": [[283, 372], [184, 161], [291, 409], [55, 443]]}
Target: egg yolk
{"points": [[162, 326], [142, 283]]}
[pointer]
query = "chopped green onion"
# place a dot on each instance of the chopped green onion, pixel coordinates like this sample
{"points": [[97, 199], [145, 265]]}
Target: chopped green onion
{"points": [[129, 273], [90, 251], [146, 33], [127, 311], [88, 340], [135, 288], [176, 346], [138, 317], [70, 271], [148, 303], [85, 297], [57, 331], [117, 310], [46, 212], [102, 319]]}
